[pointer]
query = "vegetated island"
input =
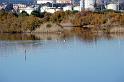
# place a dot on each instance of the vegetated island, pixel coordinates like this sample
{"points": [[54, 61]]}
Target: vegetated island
{"points": [[98, 21]]}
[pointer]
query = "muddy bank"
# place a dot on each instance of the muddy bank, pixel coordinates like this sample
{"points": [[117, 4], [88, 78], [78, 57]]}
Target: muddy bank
{"points": [[100, 29]]}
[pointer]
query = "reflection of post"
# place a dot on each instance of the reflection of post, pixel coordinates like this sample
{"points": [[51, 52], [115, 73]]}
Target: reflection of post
{"points": [[119, 43], [95, 41], [25, 55]]}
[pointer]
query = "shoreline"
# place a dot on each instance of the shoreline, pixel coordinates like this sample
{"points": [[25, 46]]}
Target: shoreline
{"points": [[114, 29], [86, 36]]}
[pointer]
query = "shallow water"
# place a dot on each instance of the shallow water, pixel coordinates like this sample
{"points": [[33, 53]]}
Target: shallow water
{"points": [[61, 58]]}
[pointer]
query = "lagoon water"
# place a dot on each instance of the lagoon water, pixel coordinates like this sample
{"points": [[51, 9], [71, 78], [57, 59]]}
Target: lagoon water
{"points": [[60, 58]]}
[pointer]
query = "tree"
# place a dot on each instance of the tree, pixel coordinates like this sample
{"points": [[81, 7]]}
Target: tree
{"points": [[36, 13], [23, 13], [2, 12]]}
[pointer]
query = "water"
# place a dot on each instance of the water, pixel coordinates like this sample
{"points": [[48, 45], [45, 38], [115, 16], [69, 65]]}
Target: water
{"points": [[61, 58]]}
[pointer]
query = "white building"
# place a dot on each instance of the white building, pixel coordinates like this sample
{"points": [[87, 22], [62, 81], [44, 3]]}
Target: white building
{"points": [[45, 1], [77, 8], [112, 6], [27, 9], [43, 9], [49, 9], [52, 1], [63, 1], [89, 5], [69, 7], [21, 6]]}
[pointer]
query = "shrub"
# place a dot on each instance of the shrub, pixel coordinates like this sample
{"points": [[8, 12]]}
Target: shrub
{"points": [[12, 23], [48, 25], [57, 16], [94, 18], [2, 12], [23, 13], [36, 13]]}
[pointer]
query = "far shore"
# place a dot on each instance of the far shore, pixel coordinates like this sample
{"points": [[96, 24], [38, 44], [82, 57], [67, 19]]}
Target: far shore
{"points": [[85, 36], [63, 21]]}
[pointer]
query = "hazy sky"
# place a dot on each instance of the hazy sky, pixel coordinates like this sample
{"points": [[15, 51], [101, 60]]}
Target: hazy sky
{"points": [[33, 0]]}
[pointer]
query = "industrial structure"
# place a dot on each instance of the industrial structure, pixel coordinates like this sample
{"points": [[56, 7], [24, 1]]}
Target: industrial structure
{"points": [[101, 4], [52, 6]]}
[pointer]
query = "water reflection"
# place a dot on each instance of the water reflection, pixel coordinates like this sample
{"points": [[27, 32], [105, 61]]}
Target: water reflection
{"points": [[25, 43], [84, 36], [8, 36], [69, 57], [91, 37]]}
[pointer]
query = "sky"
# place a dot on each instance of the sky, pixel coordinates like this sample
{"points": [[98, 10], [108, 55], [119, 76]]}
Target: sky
{"points": [[33, 0]]}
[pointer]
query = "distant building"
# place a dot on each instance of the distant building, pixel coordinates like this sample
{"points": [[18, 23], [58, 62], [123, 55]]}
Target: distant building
{"points": [[27, 9], [87, 4], [64, 1], [49, 9], [77, 8], [112, 7], [69, 7], [45, 1], [22, 5], [52, 1], [30, 8]]}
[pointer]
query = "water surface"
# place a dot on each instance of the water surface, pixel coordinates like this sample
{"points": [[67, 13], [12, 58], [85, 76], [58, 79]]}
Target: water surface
{"points": [[61, 58]]}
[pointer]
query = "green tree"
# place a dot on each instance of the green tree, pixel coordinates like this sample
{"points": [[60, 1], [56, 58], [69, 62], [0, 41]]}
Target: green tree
{"points": [[2, 12], [36, 13], [23, 13]]}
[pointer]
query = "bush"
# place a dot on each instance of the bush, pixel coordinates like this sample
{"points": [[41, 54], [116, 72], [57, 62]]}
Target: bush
{"points": [[48, 25], [36, 13], [23, 13], [12, 23], [75, 11], [2, 12], [57, 17], [94, 18]]}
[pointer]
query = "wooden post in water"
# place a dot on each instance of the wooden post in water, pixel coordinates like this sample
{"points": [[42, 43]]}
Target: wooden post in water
{"points": [[25, 55]]}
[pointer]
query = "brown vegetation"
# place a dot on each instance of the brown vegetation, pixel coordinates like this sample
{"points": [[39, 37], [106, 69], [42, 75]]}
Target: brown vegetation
{"points": [[14, 23], [11, 23], [97, 20]]}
